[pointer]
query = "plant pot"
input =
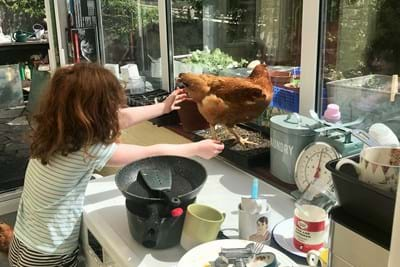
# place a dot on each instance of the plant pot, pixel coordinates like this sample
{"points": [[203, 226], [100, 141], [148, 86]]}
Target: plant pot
{"points": [[280, 78], [190, 117]]}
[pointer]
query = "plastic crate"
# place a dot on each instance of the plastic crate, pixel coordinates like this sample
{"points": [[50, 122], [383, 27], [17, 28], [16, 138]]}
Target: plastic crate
{"points": [[285, 99], [366, 96]]}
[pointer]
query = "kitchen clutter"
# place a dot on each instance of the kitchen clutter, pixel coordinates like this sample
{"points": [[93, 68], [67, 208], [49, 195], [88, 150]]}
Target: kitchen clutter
{"points": [[254, 213], [202, 224], [155, 208]]}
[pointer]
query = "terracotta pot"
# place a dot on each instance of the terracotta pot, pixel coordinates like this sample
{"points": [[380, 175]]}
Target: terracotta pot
{"points": [[191, 118], [280, 78]]}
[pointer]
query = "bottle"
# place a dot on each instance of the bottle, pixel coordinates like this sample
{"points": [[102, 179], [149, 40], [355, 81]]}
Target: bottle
{"points": [[27, 72], [22, 71], [332, 113]]}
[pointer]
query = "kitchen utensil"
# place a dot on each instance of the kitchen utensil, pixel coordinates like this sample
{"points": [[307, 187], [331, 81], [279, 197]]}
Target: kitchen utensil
{"points": [[250, 255], [365, 137], [207, 253], [311, 162], [331, 125], [151, 219], [160, 180]]}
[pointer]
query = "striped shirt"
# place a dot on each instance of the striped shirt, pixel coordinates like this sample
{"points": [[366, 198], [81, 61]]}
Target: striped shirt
{"points": [[49, 213]]}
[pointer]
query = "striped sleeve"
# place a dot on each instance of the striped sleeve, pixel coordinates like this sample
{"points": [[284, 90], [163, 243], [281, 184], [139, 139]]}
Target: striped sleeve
{"points": [[102, 154]]}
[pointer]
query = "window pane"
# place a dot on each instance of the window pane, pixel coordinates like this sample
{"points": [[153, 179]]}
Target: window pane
{"points": [[224, 37], [361, 53], [20, 15], [131, 36]]}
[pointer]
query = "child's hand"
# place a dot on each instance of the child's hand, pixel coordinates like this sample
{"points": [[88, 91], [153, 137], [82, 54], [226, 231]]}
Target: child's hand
{"points": [[208, 148], [172, 101]]}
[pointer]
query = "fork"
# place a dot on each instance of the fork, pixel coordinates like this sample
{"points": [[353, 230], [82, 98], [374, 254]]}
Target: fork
{"points": [[258, 247]]}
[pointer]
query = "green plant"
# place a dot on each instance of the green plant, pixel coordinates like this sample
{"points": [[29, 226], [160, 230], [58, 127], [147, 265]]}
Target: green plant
{"points": [[214, 61], [33, 8], [121, 16]]}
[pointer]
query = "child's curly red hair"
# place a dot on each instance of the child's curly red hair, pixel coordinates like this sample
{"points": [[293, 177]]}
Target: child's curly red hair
{"points": [[79, 109]]}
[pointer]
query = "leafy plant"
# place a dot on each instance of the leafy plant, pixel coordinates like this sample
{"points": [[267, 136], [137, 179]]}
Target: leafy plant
{"points": [[214, 61], [33, 8], [121, 16]]}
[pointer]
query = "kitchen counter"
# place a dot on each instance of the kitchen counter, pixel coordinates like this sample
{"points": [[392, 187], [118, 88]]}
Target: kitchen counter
{"points": [[105, 216]]}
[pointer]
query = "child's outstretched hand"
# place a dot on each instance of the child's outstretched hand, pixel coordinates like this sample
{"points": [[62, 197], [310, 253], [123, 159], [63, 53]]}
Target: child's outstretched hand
{"points": [[172, 101], [208, 148]]}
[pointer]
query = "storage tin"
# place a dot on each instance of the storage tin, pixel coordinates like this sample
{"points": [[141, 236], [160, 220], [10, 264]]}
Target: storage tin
{"points": [[290, 133]]}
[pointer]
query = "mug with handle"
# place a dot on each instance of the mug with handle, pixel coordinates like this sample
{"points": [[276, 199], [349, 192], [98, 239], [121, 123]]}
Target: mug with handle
{"points": [[378, 166], [202, 224]]}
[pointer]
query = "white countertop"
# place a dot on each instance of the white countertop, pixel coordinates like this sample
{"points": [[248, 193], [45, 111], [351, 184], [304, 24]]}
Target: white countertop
{"points": [[104, 212]]}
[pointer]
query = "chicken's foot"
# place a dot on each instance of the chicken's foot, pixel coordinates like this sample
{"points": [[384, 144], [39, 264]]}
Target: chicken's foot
{"points": [[241, 140]]}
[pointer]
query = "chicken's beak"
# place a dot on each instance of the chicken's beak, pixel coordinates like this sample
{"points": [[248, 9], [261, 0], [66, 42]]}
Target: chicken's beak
{"points": [[180, 84]]}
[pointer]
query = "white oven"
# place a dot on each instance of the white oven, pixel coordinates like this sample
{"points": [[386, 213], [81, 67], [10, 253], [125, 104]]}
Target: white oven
{"points": [[9, 201]]}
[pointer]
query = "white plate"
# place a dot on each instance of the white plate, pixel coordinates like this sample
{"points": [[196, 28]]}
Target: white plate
{"points": [[202, 254], [283, 235]]}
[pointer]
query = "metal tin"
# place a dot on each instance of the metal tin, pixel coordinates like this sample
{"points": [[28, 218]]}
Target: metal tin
{"points": [[289, 135]]}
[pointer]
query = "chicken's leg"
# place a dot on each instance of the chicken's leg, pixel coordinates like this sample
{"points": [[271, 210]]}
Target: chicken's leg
{"points": [[213, 132], [241, 140]]}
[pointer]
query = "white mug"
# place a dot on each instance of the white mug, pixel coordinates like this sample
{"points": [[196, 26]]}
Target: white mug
{"points": [[378, 166], [255, 226]]}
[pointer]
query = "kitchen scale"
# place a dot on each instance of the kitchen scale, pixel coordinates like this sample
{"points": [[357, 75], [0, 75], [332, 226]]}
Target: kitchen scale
{"points": [[333, 142]]}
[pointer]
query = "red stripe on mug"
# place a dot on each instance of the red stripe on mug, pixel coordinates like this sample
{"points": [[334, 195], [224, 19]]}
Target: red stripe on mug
{"points": [[309, 226], [305, 247]]}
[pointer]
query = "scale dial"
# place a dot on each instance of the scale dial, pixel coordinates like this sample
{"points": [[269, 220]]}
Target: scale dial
{"points": [[311, 163]]}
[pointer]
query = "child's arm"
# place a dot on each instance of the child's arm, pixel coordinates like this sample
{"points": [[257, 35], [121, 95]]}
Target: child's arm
{"points": [[133, 115], [125, 153]]}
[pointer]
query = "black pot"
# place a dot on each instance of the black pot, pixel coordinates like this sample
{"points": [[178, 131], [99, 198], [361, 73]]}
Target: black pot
{"points": [[153, 222]]}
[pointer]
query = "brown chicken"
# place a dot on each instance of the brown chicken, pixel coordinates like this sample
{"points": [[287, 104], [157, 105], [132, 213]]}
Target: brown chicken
{"points": [[229, 100]]}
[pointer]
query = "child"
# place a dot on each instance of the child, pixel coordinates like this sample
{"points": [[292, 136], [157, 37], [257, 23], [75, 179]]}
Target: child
{"points": [[74, 133]]}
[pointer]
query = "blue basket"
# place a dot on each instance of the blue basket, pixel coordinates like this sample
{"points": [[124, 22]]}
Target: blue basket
{"points": [[285, 99]]}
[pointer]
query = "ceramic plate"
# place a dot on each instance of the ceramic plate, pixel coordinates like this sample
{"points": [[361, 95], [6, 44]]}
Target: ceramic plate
{"points": [[202, 254], [283, 235]]}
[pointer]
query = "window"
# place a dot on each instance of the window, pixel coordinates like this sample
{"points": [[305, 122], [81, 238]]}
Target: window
{"points": [[20, 15], [224, 37], [360, 56], [131, 36]]}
